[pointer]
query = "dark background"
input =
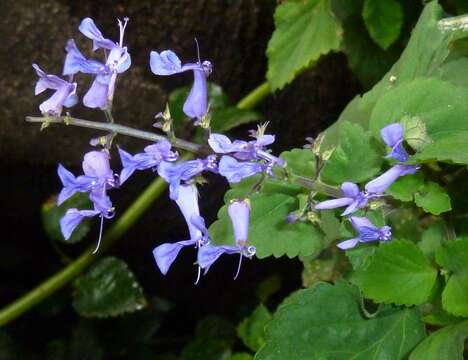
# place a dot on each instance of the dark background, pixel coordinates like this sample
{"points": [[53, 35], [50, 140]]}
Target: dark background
{"points": [[233, 35]]}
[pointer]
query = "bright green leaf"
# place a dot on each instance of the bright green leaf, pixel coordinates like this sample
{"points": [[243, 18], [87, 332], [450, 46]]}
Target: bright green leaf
{"points": [[304, 31], [326, 322], [452, 258], [433, 199], [360, 256], [444, 344], [406, 186], [355, 159], [252, 329], [453, 148], [300, 162], [51, 215], [383, 20], [108, 289], [397, 273]]}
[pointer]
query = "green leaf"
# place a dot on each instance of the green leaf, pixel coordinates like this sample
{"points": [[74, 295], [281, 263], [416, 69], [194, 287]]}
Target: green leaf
{"points": [[433, 199], [326, 322], [383, 20], [452, 258], [361, 256], [356, 159], [455, 71], [240, 356], [269, 286], [252, 329], [51, 215], [426, 51], [452, 148], [397, 273], [304, 31], [268, 230], [108, 289], [432, 239], [300, 162], [406, 186], [444, 344]]}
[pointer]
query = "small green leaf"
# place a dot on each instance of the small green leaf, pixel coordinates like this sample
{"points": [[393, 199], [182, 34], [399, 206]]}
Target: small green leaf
{"points": [[452, 258], [326, 322], [108, 289], [406, 186], [444, 344], [433, 199], [397, 273], [51, 215], [346, 163], [300, 162], [432, 239], [383, 20], [252, 329], [415, 132], [304, 31]]}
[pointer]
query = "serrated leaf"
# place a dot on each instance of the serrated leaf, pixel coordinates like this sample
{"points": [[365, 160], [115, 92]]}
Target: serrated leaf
{"points": [[453, 149], [51, 215], [326, 322], [397, 273], [108, 289], [426, 51], [355, 159], [406, 186], [433, 199], [252, 329], [268, 230], [303, 32], [383, 20], [300, 162], [444, 344], [452, 258]]}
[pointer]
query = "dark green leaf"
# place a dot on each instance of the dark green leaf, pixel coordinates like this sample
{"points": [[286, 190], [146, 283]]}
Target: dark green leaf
{"points": [[51, 215], [383, 20], [355, 159], [452, 258], [268, 287], [252, 329], [240, 356], [108, 289], [397, 273], [444, 344], [433, 238], [433, 199], [304, 31], [326, 322], [228, 118]]}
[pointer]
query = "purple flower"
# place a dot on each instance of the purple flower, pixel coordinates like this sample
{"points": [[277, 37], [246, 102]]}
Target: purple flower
{"points": [[167, 63], [367, 232], [64, 95], [118, 60], [97, 179], [234, 171], [239, 212], [354, 199], [246, 150], [187, 201], [392, 135], [175, 173], [149, 159]]}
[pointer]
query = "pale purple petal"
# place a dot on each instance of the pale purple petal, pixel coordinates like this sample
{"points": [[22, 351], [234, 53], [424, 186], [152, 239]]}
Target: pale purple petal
{"points": [[199, 223], [265, 140], [355, 205], [348, 244], [72, 219], [90, 30], [208, 254], [399, 153], [235, 171], [392, 134], [381, 183], [76, 62], [165, 254], [47, 81], [221, 144], [196, 104], [165, 63], [349, 189], [187, 201], [96, 164], [335, 203], [359, 222], [98, 94], [71, 184], [102, 202], [239, 212]]}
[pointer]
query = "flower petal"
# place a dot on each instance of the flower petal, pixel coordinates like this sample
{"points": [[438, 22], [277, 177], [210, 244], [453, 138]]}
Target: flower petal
{"points": [[196, 104], [165, 63], [348, 244], [381, 183], [72, 219], [165, 254], [350, 189], [335, 203], [89, 29], [392, 134]]}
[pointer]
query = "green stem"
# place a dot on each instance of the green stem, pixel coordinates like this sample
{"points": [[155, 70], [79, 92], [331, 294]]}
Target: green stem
{"points": [[64, 276], [254, 97], [21, 305]]}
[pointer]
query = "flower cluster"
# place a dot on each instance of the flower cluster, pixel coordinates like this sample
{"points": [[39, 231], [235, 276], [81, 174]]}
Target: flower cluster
{"points": [[354, 199], [234, 160]]}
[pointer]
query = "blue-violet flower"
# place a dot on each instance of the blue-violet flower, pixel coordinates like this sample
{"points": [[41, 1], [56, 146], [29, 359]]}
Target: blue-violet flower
{"points": [[392, 135], [367, 232]]}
